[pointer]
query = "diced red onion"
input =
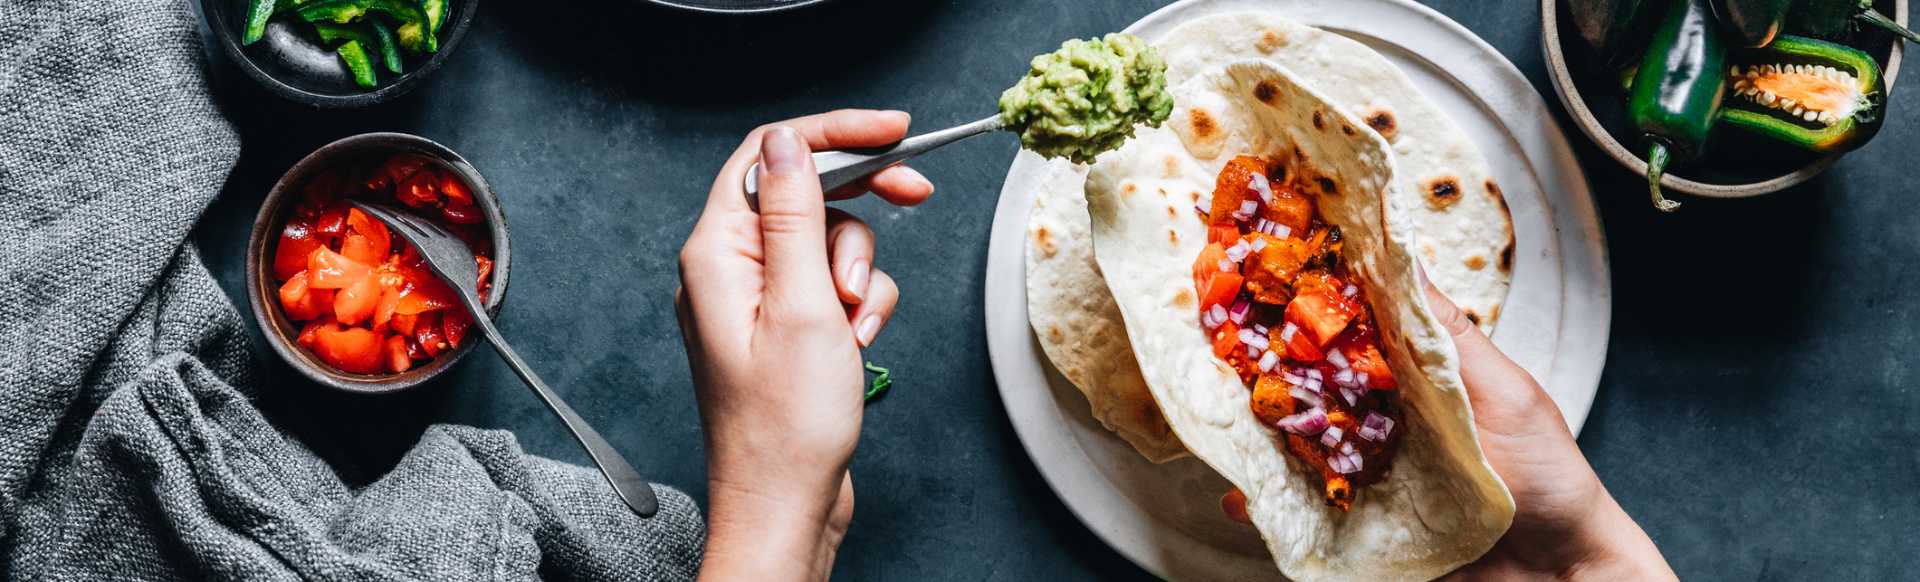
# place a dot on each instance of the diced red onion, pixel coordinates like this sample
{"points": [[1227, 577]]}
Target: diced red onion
{"points": [[1376, 427], [1314, 373], [1292, 378], [1253, 339], [1259, 184], [1239, 311], [1346, 448], [1239, 251], [1341, 464], [1360, 379], [1344, 378], [1268, 360], [1253, 352], [1226, 266], [1305, 395], [1313, 384], [1350, 290], [1246, 210], [1281, 230], [1312, 422], [1263, 226], [1339, 360], [1205, 208], [1352, 398], [1259, 243], [1331, 438], [1260, 328], [1287, 331], [1214, 316]]}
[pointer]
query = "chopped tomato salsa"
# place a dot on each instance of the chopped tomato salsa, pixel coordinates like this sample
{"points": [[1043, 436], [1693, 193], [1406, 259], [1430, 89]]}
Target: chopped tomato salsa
{"points": [[365, 301], [1282, 310]]}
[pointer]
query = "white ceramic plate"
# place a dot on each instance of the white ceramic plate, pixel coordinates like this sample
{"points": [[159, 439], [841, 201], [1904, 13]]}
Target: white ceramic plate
{"points": [[1166, 517]]}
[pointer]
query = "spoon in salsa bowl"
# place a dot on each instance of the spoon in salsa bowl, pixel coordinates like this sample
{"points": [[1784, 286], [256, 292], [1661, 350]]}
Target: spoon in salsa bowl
{"points": [[453, 263]]}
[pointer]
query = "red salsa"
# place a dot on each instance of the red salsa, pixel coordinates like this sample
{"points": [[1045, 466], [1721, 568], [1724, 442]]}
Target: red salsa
{"points": [[365, 301], [1282, 309]]}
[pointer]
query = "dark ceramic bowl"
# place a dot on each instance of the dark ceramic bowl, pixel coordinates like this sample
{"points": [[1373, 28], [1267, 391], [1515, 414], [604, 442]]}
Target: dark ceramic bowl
{"points": [[290, 61], [1731, 167], [263, 291]]}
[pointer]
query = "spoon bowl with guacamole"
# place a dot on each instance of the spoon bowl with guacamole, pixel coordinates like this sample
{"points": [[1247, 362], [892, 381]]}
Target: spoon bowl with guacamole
{"points": [[1073, 103]]}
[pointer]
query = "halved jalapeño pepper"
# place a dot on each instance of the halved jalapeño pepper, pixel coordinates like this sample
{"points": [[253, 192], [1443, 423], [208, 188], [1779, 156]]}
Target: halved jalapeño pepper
{"points": [[1810, 93], [1675, 97], [358, 62]]}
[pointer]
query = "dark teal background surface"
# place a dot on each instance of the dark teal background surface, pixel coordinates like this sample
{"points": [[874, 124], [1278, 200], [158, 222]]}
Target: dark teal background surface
{"points": [[1758, 414]]}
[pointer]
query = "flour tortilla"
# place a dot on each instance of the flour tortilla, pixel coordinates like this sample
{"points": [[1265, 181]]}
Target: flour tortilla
{"points": [[1442, 506], [1466, 238]]}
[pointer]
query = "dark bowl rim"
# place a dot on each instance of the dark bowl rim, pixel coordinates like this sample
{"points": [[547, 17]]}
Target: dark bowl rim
{"points": [[1561, 78], [694, 6], [229, 39], [268, 221]]}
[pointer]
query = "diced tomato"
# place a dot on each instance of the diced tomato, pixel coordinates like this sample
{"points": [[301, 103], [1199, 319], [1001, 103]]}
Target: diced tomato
{"points": [[418, 191], [1271, 270], [423, 292], [350, 349], [1319, 308], [331, 222], [455, 190], [1233, 187], [1219, 288], [383, 311], [364, 249], [1299, 347], [1226, 340], [395, 171], [1223, 234], [397, 359], [296, 297], [308, 332], [462, 214], [297, 241], [330, 270], [1291, 209], [456, 322], [1234, 504], [356, 302], [1209, 261], [1362, 349], [430, 335], [322, 187], [403, 323], [366, 224]]}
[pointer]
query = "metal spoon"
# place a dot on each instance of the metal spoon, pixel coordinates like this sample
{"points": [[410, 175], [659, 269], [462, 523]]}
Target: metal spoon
{"points": [[839, 168], [453, 263]]}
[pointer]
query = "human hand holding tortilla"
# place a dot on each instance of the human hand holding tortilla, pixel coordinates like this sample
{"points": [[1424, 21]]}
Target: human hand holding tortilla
{"points": [[1565, 522], [774, 308]]}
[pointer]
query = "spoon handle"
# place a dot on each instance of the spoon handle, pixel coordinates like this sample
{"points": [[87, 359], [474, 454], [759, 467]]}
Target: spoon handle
{"points": [[842, 167], [626, 482]]}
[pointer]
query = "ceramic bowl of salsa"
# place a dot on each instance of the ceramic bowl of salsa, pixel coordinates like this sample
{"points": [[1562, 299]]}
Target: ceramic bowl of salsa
{"points": [[344, 300]]}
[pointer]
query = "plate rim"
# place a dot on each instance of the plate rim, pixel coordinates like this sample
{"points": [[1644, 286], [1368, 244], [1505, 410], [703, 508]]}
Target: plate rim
{"points": [[1572, 208]]}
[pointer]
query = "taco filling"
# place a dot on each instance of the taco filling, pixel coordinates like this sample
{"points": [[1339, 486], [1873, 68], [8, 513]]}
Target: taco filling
{"points": [[1281, 309]]}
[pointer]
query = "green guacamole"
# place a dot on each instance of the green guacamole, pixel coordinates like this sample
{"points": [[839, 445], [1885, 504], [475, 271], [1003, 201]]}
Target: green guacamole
{"points": [[1085, 98]]}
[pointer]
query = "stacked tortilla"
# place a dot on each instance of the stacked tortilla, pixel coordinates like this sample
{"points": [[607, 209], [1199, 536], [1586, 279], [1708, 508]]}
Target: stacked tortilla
{"points": [[1425, 195]]}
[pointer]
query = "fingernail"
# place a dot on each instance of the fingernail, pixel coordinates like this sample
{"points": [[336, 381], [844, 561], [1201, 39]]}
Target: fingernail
{"points": [[781, 151], [868, 328], [922, 178], [857, 278]]}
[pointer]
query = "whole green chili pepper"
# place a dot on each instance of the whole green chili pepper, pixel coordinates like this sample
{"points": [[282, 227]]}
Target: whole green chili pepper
{"points": [[1814, 94], [1676, 93], [258, 11], [1837, 18], [1612, 29], [1752, 22]]}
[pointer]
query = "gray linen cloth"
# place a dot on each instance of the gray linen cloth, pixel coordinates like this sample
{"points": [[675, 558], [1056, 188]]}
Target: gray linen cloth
{"points": [[129, 448]]}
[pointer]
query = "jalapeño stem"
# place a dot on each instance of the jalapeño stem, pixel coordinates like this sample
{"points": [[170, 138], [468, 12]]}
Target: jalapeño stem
{"points": [[1657, 168], [1874, 17]]}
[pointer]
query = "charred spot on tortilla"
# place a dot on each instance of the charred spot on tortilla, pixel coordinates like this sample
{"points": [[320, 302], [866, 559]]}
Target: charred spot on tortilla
{"points": [[1473, 317], [1318, 122], [1184, 298], [1173, 237], [1202, 123], [1044, 239], [1506, 256], [1442, 191], [1494, 190], [1171, 213], [1345, 128], [1195, 195], [1327, 186], [1476, 262], [1382, 122], [1127, 189], [1054, 333], [1266, 91], [1270, 40]]}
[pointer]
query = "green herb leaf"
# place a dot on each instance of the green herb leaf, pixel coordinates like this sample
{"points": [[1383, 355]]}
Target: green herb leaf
{"points": [[881, 382]]}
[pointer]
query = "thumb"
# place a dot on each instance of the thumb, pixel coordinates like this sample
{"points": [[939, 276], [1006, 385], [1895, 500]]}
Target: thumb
{"points": [[1495, 384], [793, 219]]}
